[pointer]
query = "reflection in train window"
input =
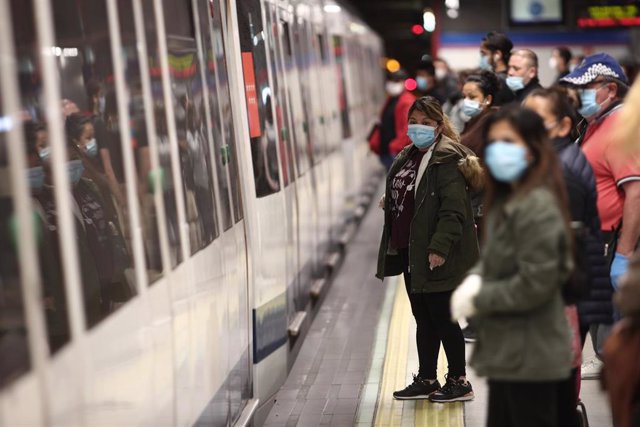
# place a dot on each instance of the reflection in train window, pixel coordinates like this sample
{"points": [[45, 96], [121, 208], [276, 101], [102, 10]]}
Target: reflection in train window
{"points": [[193, 145], [162, 136], [225, 109], [304, 58], [102, 231], [140, 143], [211, 49], [37, 150], [339, 48], [287, 139], [323, 51], [263, 126], [14, 349]]}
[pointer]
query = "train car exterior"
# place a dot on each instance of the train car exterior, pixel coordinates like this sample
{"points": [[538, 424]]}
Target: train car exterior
{"points": [[173, 176]]}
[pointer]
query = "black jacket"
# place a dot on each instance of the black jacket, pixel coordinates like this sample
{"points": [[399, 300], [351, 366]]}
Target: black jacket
{"points": [[504, 95], [522, 93], [581, 188]]}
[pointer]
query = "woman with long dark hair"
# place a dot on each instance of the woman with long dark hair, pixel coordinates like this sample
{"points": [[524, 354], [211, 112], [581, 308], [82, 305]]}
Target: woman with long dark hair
{"points": [[514, 293], [429, 236]]}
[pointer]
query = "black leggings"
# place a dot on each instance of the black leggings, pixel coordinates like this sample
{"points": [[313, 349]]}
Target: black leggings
{"points": [[434, 325], [523, 404]]}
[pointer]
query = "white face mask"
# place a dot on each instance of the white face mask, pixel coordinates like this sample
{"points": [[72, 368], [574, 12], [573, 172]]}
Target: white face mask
{"points": [[394, 88], [441, 73], [553, 63]]}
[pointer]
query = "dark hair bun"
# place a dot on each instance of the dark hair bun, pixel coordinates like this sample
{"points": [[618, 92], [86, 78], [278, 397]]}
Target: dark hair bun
{"points": [[487, 81], [492, 82]]}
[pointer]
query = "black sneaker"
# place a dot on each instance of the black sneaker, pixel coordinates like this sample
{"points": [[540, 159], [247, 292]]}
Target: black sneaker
{"points": [[469, 334], [419, 389], [453, 391]]}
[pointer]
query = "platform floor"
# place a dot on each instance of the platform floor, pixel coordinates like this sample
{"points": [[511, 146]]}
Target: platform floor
{"points": [[361, 347]]}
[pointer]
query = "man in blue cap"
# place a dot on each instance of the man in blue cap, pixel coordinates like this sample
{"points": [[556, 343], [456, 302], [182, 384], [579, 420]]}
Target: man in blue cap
{"points": [[602, 86]]}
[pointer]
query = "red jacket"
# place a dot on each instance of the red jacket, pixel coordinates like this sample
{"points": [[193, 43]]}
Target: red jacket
{"points": [[401, 115]]}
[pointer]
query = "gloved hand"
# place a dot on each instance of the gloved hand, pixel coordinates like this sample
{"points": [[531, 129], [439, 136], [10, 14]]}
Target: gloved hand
{"points": [[462, 304], [618, 268]]}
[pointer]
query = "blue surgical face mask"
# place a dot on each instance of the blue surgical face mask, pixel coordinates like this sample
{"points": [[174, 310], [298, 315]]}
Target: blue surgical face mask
{"points": [[36, 177], [45, 153], [422, 136], [515, 83], [590, 106], [471, 108], [92, 148], [75, 168], [507, 162], [423, 83], [484, 63]]}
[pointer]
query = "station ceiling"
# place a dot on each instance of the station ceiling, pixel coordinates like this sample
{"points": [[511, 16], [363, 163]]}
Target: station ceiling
{"points": [[392, 20]]}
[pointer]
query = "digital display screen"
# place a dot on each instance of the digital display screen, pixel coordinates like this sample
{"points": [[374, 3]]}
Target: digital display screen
{"points": [[619, 13], [528, 12]]}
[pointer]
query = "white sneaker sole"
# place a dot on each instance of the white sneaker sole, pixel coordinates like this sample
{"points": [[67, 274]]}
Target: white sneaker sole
{"points": [[419, 397], [467, 397]]}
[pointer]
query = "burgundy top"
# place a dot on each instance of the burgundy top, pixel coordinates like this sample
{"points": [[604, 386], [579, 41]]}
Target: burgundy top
{"points": [[403, 186]]}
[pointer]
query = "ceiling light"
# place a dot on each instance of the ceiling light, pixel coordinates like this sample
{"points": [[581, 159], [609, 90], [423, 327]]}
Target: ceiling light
{"points": [[429, 19], [332, 8]]}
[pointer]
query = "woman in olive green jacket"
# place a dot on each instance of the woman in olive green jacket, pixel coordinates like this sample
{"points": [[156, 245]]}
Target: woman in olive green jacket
{"points": [[429, 236], [515, 291]]}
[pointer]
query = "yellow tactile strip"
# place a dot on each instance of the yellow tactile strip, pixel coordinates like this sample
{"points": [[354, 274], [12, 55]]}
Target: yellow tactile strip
{"points": [[391, 412]]}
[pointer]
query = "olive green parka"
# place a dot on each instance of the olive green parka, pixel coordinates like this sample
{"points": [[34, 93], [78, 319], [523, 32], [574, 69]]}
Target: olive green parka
{"points": [[442, 221], [522, 330]]}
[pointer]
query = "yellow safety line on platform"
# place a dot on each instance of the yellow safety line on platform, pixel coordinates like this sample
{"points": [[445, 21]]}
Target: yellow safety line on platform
{"points": [[389, 412]]}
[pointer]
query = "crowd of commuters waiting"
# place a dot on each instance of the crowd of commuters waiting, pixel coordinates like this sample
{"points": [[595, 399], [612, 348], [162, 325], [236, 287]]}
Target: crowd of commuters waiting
{"points": [[515, 207]]}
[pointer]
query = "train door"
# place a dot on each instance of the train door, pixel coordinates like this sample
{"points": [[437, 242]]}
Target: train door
{"points": [[342, 132], [324, 91], [287, 134], [312, 88], [268, 223], [211, 28], [293, 61]]}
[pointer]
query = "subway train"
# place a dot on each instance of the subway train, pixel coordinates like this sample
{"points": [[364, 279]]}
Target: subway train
{"points": [[177, 178]]}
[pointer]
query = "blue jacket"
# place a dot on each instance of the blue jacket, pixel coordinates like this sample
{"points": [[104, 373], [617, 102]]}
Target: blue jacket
{"points": [[581, 188]]}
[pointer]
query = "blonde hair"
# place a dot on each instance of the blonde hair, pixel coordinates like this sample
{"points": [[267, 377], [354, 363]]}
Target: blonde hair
{"points": [[430, 106]]}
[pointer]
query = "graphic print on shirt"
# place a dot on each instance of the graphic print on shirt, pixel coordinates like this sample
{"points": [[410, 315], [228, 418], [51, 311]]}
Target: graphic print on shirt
{"points": [[401, 186]]}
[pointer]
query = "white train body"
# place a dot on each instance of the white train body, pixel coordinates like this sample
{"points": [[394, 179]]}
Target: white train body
{"points": [[172, 288]]}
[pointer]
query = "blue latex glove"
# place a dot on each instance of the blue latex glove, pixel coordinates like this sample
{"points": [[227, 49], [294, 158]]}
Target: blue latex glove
{"points": [[618, 268]]}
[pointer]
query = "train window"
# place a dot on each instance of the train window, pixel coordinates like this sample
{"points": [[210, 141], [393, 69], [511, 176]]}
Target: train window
{"points": [[265, 115], [193, 144], [323, 49], [162, 135], [227, 117], [211, 46], [338, 48], [14, 349], [102, 230], [287, 38], [95, 154], [36, 141], [279, 98], [140, 144], [303, 57]]}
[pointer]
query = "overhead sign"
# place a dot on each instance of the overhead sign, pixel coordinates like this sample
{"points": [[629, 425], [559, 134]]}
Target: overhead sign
{"points": [[535, 11], [610, 15]]}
